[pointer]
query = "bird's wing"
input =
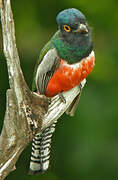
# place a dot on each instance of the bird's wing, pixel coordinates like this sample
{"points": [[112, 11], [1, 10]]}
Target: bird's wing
{"points": [[46, 69], [43, 52]]}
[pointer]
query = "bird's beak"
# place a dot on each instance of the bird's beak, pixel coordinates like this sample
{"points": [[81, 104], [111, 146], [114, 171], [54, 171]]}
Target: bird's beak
{"points": [[82, 29]]}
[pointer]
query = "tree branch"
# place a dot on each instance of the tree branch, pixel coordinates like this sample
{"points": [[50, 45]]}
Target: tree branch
{"points": [[26, 112]]}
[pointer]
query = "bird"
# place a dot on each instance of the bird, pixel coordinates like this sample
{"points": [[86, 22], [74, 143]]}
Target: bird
{"points": [[66, 60]]}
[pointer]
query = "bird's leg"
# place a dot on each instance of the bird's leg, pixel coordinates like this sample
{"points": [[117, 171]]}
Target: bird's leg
{"points": [[62, 97], [49, 100], [80, 87]]}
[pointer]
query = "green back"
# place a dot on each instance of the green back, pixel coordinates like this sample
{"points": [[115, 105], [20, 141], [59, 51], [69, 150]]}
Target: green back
{"points": [[45, 49]]}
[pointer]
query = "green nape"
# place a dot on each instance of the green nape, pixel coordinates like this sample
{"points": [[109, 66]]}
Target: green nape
{"points": [[72, 52]]}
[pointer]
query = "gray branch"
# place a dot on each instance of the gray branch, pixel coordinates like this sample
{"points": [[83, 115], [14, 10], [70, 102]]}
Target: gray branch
{"points": [[26, 112]]}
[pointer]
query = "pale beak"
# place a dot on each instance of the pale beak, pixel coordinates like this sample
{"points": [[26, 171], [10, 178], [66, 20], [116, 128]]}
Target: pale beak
{"points": [[82, 29]]}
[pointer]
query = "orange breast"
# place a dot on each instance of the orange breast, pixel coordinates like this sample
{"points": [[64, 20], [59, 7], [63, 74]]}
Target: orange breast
{"points": [[68, 76]]}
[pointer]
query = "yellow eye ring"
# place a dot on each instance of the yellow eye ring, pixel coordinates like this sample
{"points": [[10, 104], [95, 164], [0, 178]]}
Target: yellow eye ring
{"points": [[67, 28]]}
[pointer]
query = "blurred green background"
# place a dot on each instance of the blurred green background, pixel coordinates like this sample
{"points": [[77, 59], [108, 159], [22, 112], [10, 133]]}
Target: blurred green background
{"points": [[84, 147]]}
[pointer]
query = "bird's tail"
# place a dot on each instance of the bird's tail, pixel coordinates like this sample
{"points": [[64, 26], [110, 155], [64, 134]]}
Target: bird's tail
{"points": [[41, 150]]}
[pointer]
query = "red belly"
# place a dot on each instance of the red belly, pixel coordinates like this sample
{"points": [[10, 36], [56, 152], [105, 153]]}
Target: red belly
{"points": [[66, 77]]}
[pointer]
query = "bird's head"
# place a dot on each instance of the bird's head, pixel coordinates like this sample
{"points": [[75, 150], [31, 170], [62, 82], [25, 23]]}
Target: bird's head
{"points": [[74, 40], [72, 24]]}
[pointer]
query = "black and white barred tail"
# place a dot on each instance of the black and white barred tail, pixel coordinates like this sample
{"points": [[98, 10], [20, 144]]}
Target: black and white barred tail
{"points": [[40, 154]]}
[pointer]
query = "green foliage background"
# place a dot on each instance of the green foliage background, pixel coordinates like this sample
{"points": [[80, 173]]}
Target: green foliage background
{"points": [[84, 147]]}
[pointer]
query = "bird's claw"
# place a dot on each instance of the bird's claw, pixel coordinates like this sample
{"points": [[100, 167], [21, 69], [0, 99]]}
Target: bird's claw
{"points": [[49, 100], [62, 98], [80, 87]]}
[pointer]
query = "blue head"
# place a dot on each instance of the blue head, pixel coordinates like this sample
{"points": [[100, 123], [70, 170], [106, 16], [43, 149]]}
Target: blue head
{"points": [[74, 35], [70, 17], [73, 26]]}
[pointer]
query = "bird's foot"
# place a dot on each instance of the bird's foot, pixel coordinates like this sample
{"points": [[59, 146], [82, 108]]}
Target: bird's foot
{"points": [[62, 98], [80, 87], [49, 100]]}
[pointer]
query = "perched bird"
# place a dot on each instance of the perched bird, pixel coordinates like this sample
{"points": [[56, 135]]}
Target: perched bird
{"points": [[63, 63]]}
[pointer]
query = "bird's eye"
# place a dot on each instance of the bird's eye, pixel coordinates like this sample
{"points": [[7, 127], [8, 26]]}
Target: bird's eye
{"points": [[67, 28]]}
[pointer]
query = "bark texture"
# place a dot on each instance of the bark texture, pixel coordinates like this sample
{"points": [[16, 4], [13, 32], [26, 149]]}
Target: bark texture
{"points": [[26, 111]]}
